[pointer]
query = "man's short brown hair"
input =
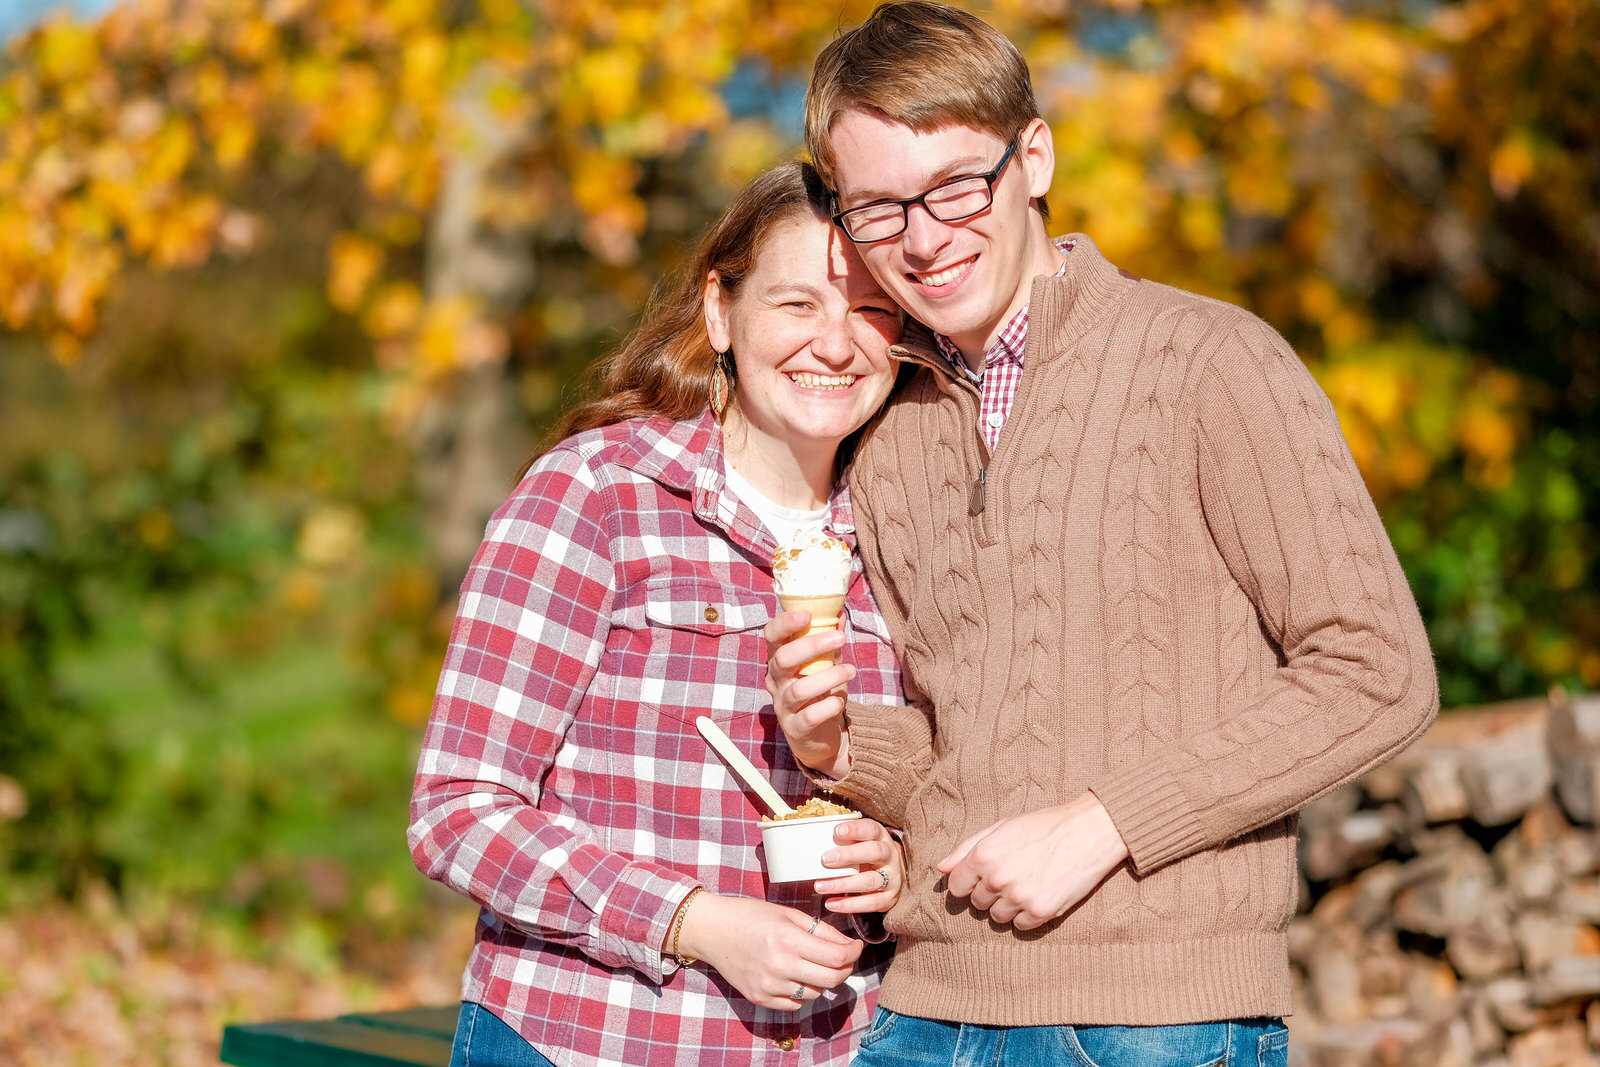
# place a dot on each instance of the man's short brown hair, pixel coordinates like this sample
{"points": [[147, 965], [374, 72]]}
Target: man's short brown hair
{"points": [[923, 64]]}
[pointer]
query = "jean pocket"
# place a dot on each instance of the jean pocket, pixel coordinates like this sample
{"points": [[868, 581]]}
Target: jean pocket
{"points": [[1187, 1045], [461, 1047], [883, 1022], [1272, 1047]]}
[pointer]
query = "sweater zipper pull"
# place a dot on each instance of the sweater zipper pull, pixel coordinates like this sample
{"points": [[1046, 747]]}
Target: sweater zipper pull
{"points": [[975, 505]]}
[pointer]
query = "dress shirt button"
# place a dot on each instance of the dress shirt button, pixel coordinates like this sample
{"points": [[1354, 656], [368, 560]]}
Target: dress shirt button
{"points": [[785, 1043], [994, 420], [711, 614]]}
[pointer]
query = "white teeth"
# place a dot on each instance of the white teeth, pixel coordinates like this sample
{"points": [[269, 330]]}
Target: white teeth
{"points": [[807, 380], [943, 277]]}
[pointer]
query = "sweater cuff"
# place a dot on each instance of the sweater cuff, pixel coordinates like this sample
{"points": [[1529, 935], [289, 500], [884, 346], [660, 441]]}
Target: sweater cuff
{"points": [[889, 754], [1153, 814]]}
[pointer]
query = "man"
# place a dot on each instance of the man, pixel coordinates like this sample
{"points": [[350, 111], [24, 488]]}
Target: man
{"points": [[1145, 607]]}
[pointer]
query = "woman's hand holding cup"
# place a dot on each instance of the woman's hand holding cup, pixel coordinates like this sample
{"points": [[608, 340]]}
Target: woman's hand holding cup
{"points": [[880, 864]]}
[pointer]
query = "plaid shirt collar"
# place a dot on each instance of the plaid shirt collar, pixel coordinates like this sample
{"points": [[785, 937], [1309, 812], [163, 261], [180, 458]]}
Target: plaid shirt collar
{"points": [[687, 456], [1011, 341]]}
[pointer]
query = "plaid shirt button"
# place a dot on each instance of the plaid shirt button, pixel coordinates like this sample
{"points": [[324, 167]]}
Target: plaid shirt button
{"points": [[785, 1043], [711, 614]]}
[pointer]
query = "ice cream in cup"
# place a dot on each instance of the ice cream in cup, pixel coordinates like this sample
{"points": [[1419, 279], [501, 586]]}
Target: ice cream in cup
{"points": [[813, 574], [795, 843]]}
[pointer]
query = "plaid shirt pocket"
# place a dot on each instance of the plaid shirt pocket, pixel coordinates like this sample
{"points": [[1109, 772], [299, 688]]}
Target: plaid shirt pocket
{"points": [[707, 652]]}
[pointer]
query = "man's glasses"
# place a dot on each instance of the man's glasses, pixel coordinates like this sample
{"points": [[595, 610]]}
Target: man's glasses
{"points": [[958, 199]]}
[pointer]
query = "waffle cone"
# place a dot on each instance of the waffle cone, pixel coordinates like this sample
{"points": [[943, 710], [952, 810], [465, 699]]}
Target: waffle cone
{"points": [[824, 616]]}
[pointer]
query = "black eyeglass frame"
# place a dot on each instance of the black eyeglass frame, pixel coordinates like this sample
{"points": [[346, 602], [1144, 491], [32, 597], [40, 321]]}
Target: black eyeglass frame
{"points": [[989, 178]]}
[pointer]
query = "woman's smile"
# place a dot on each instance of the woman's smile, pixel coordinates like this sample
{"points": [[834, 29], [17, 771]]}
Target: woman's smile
{"points": [[809, 380]]}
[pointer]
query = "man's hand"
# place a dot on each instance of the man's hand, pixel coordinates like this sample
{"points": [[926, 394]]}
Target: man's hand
{"points": [[810, 709], [1028, 869]]}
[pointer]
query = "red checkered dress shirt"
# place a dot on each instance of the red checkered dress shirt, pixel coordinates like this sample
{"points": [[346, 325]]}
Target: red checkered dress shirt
{"points": [[1002, 367], [619, 593]]}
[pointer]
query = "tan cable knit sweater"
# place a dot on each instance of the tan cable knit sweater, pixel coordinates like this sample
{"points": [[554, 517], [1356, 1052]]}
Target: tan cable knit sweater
{"points": [[1177, 595]]}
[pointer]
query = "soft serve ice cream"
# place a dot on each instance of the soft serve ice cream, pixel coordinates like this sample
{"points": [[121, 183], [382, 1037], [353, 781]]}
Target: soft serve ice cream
{"points": [[813, 573], [815, 565]]}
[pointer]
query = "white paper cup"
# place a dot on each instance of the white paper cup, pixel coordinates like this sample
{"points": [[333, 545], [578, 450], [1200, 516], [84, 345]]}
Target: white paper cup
{"points": [[794, 847]]}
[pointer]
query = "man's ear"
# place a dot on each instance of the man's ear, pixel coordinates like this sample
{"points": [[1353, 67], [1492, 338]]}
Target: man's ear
{"points": [[716, 301], [1036, 149]]}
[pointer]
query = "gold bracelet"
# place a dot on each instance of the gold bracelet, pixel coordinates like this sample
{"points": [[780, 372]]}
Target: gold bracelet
{"points": [[677, 929]]}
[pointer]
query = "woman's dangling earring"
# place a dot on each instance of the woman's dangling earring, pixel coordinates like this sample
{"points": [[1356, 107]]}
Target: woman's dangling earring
{"points": [[719, 384]]}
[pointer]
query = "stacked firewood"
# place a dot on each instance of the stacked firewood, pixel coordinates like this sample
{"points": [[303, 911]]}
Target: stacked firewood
{"points": [[1451, 899]]}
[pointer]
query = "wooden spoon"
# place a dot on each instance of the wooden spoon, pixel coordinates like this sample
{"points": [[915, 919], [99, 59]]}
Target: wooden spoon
{"points": [[742, 766]]}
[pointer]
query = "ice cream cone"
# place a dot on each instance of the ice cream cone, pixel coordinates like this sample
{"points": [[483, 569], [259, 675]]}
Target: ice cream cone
{"points": [[824, 616]]}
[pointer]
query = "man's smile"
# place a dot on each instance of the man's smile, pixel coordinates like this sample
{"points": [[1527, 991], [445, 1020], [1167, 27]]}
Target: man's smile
{"points": [[939, 278]]}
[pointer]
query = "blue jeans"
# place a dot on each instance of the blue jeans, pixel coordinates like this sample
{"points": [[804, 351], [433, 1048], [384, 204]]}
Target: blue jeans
{"points": [[482, 1040], [906, 1041]]}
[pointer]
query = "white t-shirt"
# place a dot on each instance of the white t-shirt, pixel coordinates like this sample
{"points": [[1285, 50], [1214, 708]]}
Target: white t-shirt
{"points": [[786, 524]]}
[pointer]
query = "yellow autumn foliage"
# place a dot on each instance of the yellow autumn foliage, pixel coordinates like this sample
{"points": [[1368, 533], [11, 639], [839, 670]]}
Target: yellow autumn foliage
{"points": [[1212, 125], [353, 263], [107, 169], [1406, 406]]}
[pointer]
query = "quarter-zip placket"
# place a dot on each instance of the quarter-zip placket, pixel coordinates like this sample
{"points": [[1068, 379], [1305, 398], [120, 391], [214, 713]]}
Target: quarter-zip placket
{"points": [[970, 400]]}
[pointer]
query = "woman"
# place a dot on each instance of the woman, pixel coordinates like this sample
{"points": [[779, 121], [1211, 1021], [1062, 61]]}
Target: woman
{"points": [[620, 593]]}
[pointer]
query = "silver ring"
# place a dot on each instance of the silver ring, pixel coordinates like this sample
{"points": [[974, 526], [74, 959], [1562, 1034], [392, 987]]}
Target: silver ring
{"points": [[799, 992], [883, 872], [814, 924]]}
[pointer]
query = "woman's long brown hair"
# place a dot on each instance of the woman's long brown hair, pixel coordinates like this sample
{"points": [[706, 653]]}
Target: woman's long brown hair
{"points": [[664, 367]]}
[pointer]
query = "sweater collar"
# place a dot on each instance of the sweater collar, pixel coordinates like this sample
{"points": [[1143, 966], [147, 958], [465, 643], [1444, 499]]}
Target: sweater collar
{"points": [[1074, 302], [1069, 303]]}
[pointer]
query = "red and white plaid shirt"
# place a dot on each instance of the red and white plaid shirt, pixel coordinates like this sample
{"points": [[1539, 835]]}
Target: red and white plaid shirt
{"points": [[619, 593], [1002, 366]]}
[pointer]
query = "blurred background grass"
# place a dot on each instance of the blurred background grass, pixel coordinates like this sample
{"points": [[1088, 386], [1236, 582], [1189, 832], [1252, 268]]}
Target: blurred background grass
{"points": [[290, 289]]}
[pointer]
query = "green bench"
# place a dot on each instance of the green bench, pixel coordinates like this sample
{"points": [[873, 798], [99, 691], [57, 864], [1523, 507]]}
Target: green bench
{"points": [[420, 1036]]}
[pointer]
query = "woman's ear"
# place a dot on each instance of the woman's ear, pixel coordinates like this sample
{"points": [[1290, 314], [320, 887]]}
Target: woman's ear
{"points": [[716, 301]]}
